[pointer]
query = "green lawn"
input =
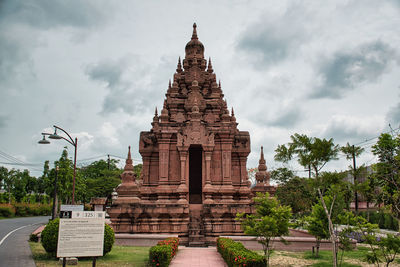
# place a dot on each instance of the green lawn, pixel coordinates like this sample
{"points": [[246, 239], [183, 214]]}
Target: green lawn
{"points": [[119, 256]]}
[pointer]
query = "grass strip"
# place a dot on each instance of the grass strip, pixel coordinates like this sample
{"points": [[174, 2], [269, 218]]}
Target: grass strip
{"points": [[118, 256]]}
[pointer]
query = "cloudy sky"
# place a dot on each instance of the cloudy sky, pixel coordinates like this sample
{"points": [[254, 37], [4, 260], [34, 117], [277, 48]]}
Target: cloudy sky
{"points": [[99, 68]]}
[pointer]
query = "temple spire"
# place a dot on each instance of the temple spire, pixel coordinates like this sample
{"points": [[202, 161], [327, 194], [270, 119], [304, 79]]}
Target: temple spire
{"points": [[209, 68], [179, 67], [194, 35], [128, 162], [261, 162]]}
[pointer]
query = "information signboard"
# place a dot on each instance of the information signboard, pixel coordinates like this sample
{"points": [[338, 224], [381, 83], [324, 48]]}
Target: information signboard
{"points": [[71, 208], [81, 237], [88, 214]]}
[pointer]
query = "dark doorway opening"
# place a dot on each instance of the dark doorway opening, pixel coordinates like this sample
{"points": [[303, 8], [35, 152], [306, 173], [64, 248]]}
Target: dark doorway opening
{"points": [[195, 175]]}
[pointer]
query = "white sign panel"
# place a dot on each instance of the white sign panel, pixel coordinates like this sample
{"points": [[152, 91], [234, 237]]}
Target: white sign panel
{"points": [[80, 237], [88, 214], [71, 208]]}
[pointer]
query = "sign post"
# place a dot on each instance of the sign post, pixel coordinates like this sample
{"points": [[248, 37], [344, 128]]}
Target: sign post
{"points": [[81, 235]]}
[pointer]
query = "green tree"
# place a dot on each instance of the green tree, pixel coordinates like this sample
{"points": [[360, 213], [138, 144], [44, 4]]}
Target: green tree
{"points": [[100, 178], [387, 172], [318, 224], [282, 175], [296, 193], [269, 221], [352, 152], [3, 175], [368, 189], [313, 153]]}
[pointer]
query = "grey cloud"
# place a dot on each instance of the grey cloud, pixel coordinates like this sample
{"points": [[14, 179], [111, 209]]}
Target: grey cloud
{"points": [[343, 131], [393, 116], [3, 121], [22, 22], [348, 69], [47, 14], [131, 83], [272, 40], [288, 118]]}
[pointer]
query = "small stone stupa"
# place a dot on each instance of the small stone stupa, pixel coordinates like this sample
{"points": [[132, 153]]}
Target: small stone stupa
{"points": [[194, 178]]}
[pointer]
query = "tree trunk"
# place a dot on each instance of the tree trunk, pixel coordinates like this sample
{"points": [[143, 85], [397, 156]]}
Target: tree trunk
{"points": [[368, 211], [331, 229], [317, 248]]}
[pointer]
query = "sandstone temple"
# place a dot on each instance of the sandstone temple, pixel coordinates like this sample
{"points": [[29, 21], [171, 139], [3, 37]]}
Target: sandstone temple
{"points": [[194, 178]]}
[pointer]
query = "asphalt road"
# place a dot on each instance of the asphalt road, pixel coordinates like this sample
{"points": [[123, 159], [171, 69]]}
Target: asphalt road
{"points": [[14, 234]]}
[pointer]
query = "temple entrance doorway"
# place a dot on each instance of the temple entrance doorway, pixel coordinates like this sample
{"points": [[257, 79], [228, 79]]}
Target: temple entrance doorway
{"points": [[195, 174]]}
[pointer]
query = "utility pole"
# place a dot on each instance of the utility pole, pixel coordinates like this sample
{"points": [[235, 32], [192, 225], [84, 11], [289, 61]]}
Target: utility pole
{"points": [[108, 162], [355, 179]]}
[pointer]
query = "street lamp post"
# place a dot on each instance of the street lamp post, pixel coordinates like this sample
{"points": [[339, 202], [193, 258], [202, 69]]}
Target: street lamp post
{"points": [[72, 142], [53, 216]]}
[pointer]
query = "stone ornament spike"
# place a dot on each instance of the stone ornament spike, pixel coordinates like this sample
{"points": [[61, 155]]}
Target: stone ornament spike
{"points": [[128, 162], [209, 68], [179, 67], [194, 34], [261, 162]]}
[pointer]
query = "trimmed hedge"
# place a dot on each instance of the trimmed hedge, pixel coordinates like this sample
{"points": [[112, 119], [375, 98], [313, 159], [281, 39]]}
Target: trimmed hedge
{"points": [[7, 210], [24, 210], [235, 254], [162, 254], [382, 219], [49, 237]]}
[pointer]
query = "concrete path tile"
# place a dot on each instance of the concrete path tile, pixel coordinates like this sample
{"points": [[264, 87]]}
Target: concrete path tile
{"points": [[197, 257]]}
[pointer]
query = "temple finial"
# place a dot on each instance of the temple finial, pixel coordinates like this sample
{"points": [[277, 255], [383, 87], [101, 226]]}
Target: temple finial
{"points": [[128, 162], [219, 83], [262, 154], [233, 113], [155, 113], [179, 67], [169, 84], [209, 68], [194, 35]]}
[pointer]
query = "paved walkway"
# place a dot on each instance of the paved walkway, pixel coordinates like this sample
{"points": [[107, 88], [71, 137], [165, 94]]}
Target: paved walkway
{"points": [[197, 257]]}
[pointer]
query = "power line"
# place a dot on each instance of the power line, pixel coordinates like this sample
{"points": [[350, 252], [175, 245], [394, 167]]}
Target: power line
{"points": [[370, 139]]}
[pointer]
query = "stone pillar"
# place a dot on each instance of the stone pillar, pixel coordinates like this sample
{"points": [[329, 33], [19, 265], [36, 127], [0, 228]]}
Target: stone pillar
{"points": [[182, 188], [227, 189], [145, 169], [163, 152], [207, 190]]}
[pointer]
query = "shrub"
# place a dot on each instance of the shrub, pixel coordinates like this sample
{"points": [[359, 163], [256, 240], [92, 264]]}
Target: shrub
{"points": [[383, 220], [162, 254], [235, 254], [49, 237], [6, 210], [33, 238], [25, 209], [109, 239]]}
